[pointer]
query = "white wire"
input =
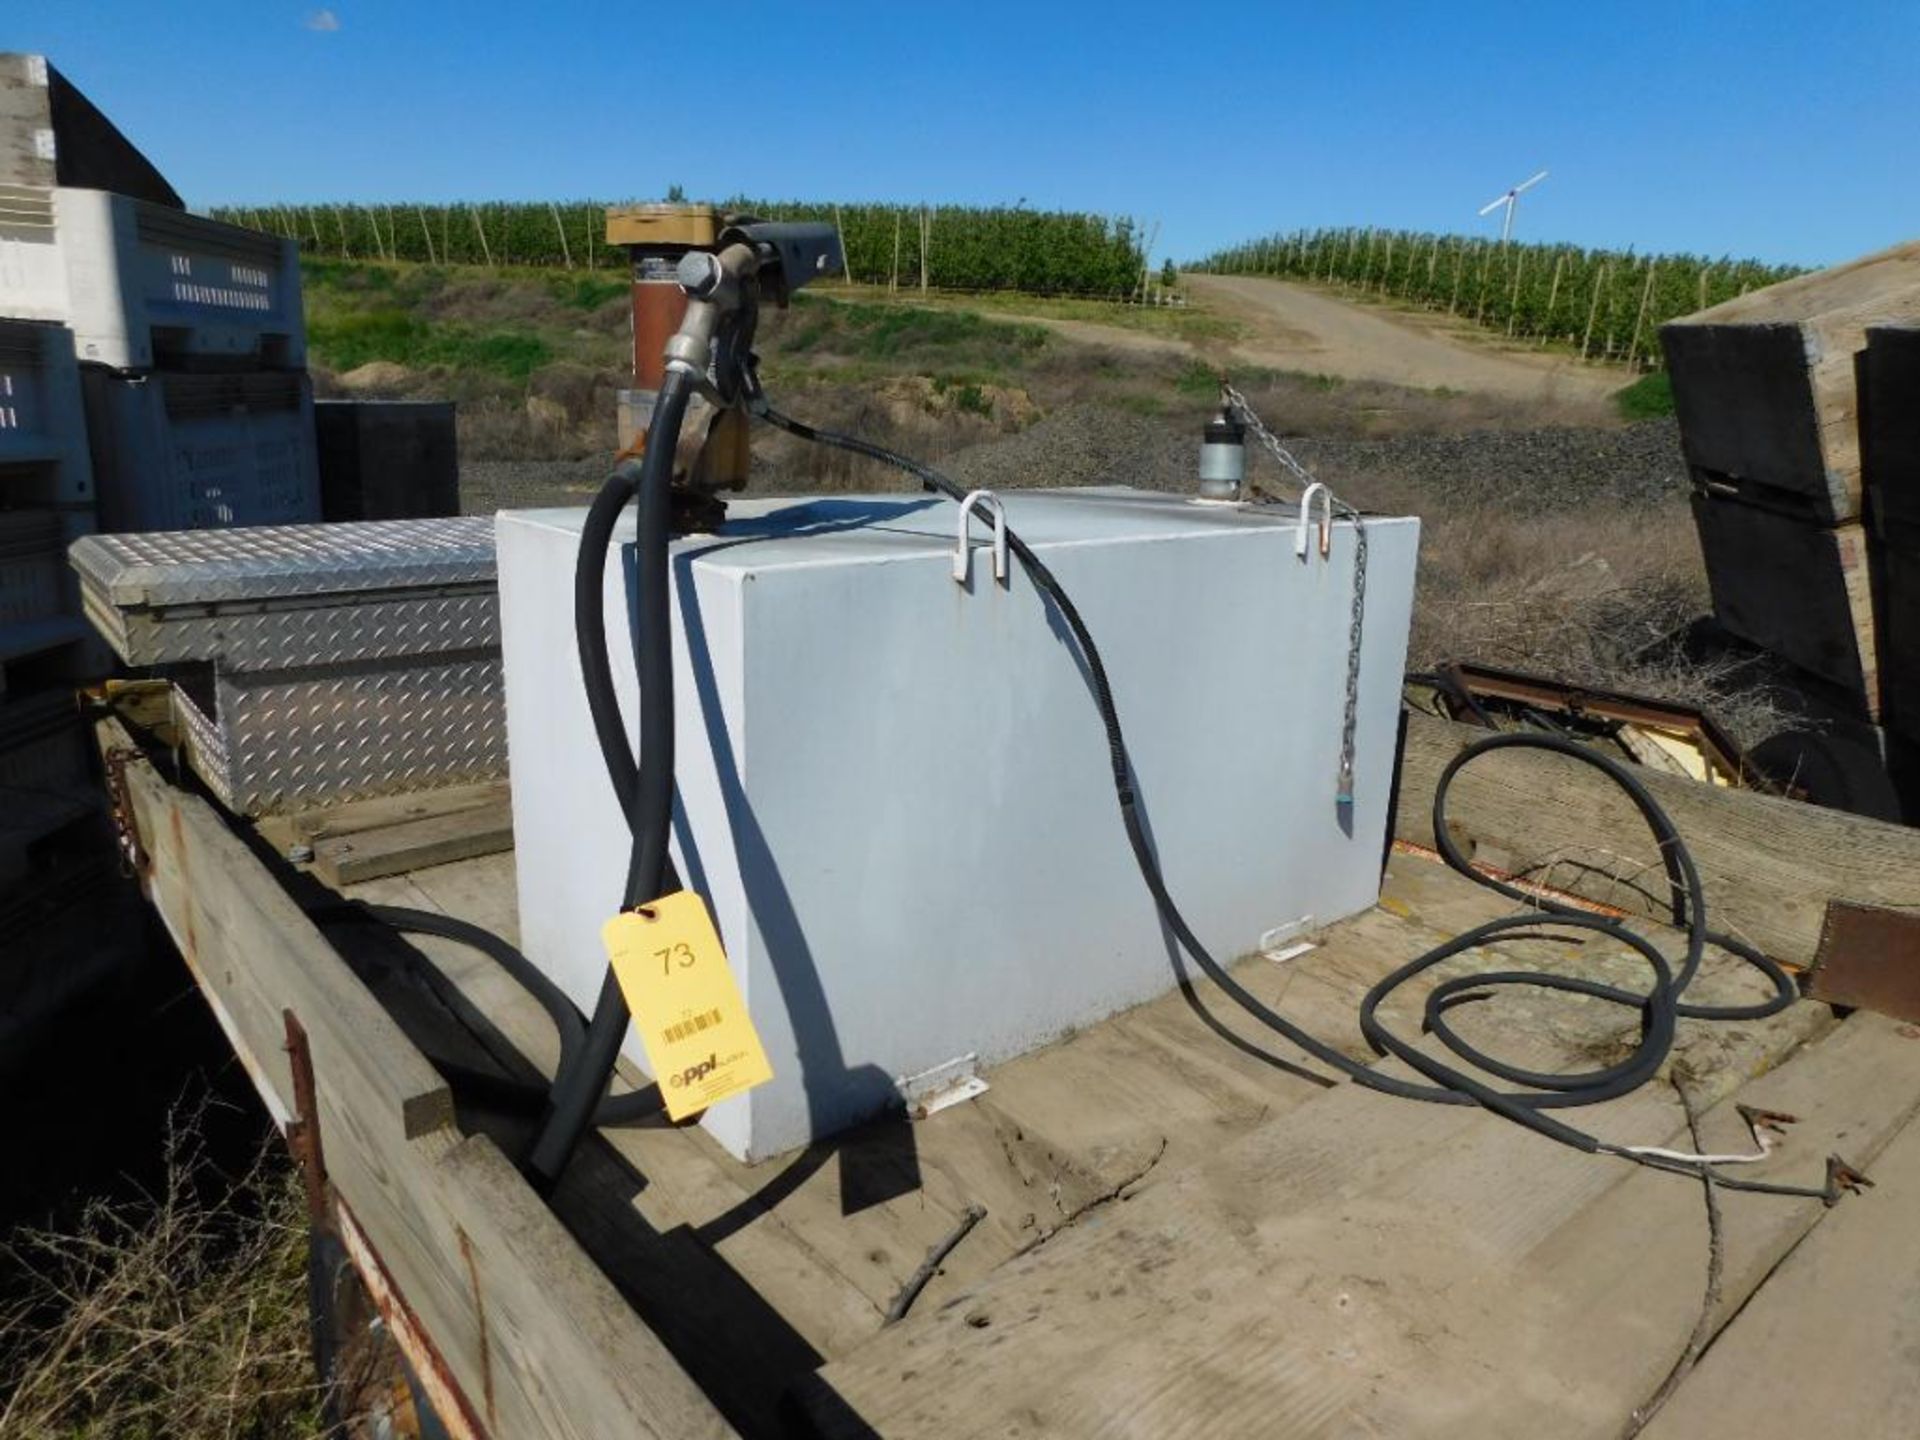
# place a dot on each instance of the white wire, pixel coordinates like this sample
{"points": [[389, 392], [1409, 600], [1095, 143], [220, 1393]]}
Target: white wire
{"points": [[1654, 1152]]}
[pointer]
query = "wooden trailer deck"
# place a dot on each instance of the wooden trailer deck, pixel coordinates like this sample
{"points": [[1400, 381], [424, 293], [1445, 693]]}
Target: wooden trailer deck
{"points": [[1159, 1233]]}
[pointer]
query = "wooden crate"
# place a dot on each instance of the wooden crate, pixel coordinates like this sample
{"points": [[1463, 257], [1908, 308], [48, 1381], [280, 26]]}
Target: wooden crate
{"points": [[1890, 453], [1765, 385], [1896, 565], [1890, 423], [1800, 590], [51, 134]]}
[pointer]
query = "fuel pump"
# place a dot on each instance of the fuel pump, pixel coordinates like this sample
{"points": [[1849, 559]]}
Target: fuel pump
{"points": [[699, 279]]}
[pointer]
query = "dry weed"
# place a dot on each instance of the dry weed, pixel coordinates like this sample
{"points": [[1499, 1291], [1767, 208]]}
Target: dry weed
{"points": [[183, 1315], [1597, 596]]}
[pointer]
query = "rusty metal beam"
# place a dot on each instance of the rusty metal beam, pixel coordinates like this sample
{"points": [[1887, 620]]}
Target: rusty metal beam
{"points": [[1869, 959], [430, 1367]]}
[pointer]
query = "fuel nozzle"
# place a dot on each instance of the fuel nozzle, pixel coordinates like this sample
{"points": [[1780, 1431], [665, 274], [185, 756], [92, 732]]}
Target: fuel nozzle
{"points": [[754, 261], [1223, 456], [722, 288]]}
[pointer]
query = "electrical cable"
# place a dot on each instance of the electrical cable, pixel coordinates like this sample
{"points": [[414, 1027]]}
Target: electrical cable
{"points": [[1661, 1006]]}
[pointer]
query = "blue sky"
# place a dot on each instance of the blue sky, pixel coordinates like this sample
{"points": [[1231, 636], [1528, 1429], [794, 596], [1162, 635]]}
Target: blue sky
{"points": [[1784, 131]]}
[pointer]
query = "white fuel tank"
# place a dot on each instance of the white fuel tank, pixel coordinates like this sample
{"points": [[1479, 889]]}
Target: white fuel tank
{"points": [[893, 786]]}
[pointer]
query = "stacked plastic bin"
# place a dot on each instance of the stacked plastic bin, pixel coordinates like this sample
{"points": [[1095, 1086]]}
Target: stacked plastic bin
{"points": [[152, 377], [46, 502], [192, 356]]}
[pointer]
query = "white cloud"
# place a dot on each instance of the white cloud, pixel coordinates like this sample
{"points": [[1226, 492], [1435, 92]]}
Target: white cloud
{"points": [[324, 20]]}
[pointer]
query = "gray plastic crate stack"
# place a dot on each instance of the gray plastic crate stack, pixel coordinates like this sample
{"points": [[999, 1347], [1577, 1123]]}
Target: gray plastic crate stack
{"points": [[151, 378], [192, 352], [188, 332], [46, 502]]}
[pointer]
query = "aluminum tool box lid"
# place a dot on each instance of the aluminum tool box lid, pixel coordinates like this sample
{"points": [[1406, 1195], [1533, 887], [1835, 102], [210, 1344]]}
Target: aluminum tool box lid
{"points": [[275, 596], [278, 562]]}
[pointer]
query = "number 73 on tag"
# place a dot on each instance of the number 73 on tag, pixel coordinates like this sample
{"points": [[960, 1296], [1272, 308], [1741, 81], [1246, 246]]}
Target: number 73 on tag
{"points": [[700, 1043]]}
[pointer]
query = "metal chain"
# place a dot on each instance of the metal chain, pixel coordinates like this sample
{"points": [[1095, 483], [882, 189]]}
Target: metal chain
{"points": [[1349, 721], [1244, 407]]}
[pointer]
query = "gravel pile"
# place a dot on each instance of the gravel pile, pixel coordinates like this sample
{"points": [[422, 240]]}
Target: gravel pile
{"points": [[1527, 471], [1082, 445], [490, 485]]}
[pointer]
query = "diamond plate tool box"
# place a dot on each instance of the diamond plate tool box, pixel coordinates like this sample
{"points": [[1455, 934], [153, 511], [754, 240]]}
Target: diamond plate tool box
{"points": [[315, 663]]}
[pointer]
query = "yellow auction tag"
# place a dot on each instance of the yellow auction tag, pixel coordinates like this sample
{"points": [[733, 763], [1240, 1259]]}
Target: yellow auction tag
{"points": [[689, 1010]]}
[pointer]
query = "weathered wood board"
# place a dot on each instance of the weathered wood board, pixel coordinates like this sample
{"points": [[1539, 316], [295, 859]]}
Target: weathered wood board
{"points": [[533, 1335], [1765, 384], [1769, 864], [458, 834], [381, 811], [1373, 1267], [755, 1274], [1843, 1310], [1802, 591]]}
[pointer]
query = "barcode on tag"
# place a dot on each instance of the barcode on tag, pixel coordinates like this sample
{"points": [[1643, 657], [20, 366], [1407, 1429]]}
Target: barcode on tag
{"points": [[704, 1021], [692, 1018]]}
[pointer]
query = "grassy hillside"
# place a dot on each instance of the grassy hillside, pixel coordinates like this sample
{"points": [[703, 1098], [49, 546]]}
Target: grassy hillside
{"points": [[535, 357]]}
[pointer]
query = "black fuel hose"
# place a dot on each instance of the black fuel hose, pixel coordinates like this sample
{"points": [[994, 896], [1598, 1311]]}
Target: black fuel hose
{"points": [[645, 788], [1660, 1006], [569, 1026]]}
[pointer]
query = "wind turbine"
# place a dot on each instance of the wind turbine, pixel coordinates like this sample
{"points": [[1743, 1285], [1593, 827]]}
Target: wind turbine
{"points": [[1510, 200]]}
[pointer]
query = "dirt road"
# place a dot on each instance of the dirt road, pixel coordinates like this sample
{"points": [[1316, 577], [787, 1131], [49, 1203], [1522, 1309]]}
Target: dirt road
{"points": [[1295, 327]]}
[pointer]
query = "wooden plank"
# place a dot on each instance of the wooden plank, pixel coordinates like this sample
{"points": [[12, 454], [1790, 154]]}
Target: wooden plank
{"points": [[1769, 865], [792, 1266], [536, 1339], [1060, 1130], [1351, 1270], [1802, 591], [1059, 1134], [217, 899], [1764, 384], [1624, 1280], [1845, 1307], [414, 844], [383, 810]]}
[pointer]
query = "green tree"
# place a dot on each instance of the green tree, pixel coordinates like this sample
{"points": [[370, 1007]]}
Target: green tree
{"points": [[1169, 277]]}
